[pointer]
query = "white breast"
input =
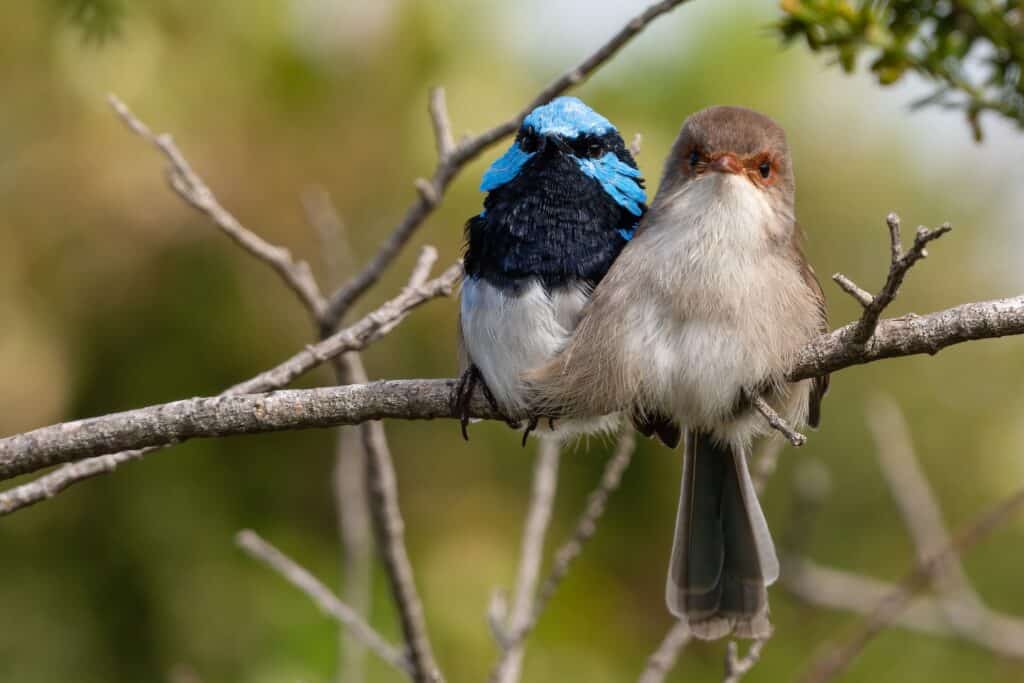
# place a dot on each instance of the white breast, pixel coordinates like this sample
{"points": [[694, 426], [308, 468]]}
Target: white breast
{"points": [[726, 308], [506, 334]]}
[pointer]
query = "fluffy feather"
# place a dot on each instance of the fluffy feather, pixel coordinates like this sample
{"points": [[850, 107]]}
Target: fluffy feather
{"points": [[562, 202]]}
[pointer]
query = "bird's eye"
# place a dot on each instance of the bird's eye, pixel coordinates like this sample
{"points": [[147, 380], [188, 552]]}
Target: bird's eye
{"points": [[529, 142], [694, 158], [595, 151], [765, 168]]}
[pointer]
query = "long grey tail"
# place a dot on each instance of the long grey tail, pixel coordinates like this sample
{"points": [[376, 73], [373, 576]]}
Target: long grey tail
{"points": [[723, 558]]}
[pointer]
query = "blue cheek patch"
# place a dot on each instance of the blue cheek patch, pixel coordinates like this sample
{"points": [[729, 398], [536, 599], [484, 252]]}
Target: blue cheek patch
{"points": [[505, 168], [618, 179]]}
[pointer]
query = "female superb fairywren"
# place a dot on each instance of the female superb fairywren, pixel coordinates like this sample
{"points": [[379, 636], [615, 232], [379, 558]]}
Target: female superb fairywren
{"points": [[561, 204], [707, 305]]}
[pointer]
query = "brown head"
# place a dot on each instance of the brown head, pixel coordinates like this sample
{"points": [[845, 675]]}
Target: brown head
{"points": [[732, 140]]}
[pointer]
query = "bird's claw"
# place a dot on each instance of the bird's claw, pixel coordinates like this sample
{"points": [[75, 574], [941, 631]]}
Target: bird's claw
{"points": [[530, 426], [463, 396]]}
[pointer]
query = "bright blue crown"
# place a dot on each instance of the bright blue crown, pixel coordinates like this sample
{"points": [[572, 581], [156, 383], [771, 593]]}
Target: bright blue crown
{"points": [[568, 117]]}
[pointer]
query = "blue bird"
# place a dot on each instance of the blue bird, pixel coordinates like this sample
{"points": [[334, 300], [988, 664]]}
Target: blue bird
{"points": [[561, 204]]}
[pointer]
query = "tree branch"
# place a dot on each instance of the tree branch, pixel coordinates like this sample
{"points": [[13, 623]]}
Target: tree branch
{"points": [[538, 517], [776, 421], [585, 528], [370, 328], [190, 187], [428, 399], [449, 165], [737, 667], [956, 611], [899, 265], [664, 658], [328, 603], [909, 335], [389, 530], [885, 612]]}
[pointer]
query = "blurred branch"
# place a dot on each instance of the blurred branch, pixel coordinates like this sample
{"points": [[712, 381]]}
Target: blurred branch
{"points": [[538, 517], [389, 530], [737, 667], [585, 529], [367, 330], [169, 423], [765, 461], [955, 611], [190, 187], [459, 155], [328, 603], [919, 509], [972, 51], [837, 589], [664, 658], [886, 611], [348, 483], [442, 123]]}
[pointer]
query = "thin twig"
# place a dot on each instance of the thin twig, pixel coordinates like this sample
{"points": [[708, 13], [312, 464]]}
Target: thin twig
{"points": [[448, 166], [328, 603], [864, 298], [737, 667], [776, 421], [190, 187], [585, 528], [664, 658], [357, 336], [442, 124], [835, 661], [538, 517], [330, 231], [389, 530], [899, 265]]}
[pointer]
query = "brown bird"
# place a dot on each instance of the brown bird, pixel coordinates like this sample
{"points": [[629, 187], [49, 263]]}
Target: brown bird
{"points": [[707, 305]]}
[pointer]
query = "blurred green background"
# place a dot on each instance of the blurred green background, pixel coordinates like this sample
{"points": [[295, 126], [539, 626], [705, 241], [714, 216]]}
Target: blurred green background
{"points": [[113, 294]]}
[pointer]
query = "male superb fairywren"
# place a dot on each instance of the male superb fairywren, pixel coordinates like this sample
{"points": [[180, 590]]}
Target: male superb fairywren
{"points": [[707, 305], [561, 204]]}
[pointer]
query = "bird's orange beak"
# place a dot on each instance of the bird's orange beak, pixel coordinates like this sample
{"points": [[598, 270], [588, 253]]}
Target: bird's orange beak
{"points": [[727, 163]]}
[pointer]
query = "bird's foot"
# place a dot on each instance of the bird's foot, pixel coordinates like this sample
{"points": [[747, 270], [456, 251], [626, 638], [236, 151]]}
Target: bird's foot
{"points": [[463, 396]]}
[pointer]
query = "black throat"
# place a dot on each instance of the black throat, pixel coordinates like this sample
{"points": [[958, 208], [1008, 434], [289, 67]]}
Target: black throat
{"points": [[550, 223]]}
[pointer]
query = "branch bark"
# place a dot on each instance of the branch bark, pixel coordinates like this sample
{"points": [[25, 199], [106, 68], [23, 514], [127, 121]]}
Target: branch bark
{"points": [[169, 423]]}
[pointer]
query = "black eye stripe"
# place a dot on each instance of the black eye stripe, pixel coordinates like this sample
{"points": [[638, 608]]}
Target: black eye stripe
{"points": [[585, 146]]}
